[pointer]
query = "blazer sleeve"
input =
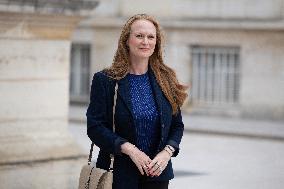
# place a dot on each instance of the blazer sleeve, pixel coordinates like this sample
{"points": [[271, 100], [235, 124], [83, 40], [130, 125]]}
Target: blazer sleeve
{"points": [[176, 132], [97, 117]]}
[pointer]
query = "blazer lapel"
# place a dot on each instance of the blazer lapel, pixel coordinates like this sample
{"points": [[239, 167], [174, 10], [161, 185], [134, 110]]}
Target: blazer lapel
{"points": [[123, 91]]}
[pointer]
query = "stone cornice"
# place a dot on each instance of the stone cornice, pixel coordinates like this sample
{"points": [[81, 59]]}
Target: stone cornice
{"points": [[42, 19], [36, 26], [267, 25], [65, 7]]}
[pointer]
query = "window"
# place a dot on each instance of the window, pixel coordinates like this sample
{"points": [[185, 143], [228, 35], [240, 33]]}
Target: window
{"points": [[79, 76], [215, 75]]}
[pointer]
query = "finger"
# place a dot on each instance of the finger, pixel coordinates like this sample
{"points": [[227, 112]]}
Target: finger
{"points": [[147, 161], [145, 169], [157, 171], [154, 173], [157, 165], [154, 170], [141, 170], [153, 162]]}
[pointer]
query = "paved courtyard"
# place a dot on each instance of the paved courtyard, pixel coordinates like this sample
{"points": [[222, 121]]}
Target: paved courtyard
{"points": [[220, 162], [205, 161]]}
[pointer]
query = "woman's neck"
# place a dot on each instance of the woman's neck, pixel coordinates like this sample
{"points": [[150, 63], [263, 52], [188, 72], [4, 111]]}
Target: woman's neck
{"points": [[138, 66]]}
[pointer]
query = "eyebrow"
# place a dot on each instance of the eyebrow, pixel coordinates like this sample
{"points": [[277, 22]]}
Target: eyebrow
{"points": [[143, 33]]}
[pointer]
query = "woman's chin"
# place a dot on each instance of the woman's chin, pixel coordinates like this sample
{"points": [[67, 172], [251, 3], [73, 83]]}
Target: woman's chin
{"points": [[143, 55]]}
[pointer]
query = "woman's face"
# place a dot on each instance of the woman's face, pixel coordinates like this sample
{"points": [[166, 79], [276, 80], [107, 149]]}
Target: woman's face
{"points": [[142, 39]]}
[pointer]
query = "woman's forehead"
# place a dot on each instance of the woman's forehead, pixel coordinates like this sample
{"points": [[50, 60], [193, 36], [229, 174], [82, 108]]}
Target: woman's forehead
{"points": [[144, 26]]}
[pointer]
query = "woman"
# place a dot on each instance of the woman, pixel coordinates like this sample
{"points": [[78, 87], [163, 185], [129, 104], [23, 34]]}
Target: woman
{"points": [[148, 122]]}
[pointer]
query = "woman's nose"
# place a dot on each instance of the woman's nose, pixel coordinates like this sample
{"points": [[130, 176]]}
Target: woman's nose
{"points": [[145, 40]]}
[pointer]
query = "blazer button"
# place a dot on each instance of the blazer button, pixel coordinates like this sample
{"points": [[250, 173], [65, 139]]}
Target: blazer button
{"points": [[163, 125], [162, 138]]}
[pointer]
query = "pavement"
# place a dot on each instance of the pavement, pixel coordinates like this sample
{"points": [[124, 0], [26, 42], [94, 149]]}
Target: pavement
{"points": [[251, 128], [216, 153]]}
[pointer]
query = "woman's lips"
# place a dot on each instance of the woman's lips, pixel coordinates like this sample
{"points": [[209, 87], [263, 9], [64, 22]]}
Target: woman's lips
{"points": [[144, 49]]}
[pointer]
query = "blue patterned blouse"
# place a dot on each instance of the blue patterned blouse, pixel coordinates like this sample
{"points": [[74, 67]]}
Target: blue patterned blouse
{"points": [[145, 112]]}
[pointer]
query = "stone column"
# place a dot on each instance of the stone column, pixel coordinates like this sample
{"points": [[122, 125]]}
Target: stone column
{"points": [[34, 78]]}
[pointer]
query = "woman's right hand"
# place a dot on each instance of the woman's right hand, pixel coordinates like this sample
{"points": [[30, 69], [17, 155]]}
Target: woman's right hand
{"points": [[140, 159]]}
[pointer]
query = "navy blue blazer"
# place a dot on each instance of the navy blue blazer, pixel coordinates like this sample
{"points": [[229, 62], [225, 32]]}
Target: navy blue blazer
{"points": [[99, 128]]}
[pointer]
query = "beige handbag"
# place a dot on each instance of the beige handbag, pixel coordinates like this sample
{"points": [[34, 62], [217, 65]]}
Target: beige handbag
{"points": [[92, 177]]}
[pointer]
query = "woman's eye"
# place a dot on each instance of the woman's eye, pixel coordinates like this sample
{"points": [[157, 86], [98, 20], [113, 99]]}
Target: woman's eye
{"points": [[139, 36], [151, 37]]}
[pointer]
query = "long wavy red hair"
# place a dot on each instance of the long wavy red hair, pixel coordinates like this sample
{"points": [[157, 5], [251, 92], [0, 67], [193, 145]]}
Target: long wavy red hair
{"points": [[165, 76]]}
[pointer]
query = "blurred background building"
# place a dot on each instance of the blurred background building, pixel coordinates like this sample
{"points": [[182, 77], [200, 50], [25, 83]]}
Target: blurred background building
{"points": [[229, 52]]}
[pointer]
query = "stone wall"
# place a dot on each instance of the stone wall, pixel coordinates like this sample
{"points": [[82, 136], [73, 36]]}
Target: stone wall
{"points": [[34, 84], [257, 30], [262, 71], [192, 9]]}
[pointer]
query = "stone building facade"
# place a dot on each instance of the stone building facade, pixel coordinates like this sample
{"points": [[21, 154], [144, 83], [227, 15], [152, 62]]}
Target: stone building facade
{"points": [[34, 78], [230, 52]]}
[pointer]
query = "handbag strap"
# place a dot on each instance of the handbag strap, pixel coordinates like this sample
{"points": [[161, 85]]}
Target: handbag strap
{"points": [[113, 129]]}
